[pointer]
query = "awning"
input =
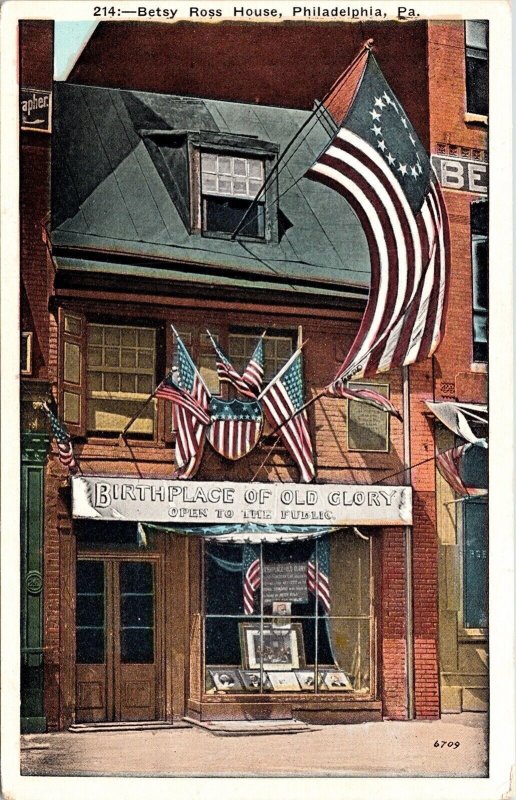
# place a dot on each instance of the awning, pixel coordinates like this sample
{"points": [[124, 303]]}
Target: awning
{"points": [[457, 417]]}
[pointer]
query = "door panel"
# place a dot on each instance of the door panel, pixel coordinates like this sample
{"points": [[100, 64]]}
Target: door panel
{"points": [[118, 668]]}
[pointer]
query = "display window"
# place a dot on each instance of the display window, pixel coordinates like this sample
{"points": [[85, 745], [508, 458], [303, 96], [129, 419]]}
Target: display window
{"points": [[290, 617]]}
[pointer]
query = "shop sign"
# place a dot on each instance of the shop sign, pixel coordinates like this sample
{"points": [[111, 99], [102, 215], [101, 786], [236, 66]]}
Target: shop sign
{"points": [[35, 110], [209, 502], [461, 173]]}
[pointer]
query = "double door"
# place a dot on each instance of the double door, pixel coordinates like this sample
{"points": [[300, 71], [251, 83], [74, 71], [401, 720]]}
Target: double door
{"points": [[117, 636]]}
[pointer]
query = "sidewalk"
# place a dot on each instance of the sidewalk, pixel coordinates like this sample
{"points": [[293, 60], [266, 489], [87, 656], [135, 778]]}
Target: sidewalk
{"points": [[380, 749]]}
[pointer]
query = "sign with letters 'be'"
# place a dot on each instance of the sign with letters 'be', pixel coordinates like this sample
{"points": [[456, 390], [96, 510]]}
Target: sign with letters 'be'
{"points": [[461, 174]]}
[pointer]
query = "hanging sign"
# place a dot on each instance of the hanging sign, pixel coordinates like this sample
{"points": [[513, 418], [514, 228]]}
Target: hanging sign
{"points": [[35, 110], [152, 500]]}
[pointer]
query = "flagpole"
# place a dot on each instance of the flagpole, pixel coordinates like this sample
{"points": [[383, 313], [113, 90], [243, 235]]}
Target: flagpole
{"points": [[142, 408], [367, 46]]}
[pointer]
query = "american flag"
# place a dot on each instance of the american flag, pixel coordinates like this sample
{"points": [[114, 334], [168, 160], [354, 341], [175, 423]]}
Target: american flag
{"points": [[190, 431], [283, 398], [377, 163], [448, 464], [62, 438], [251, 575], [253, 373], [249, 383], [168, 389], [341, 388], [318, 573], [235, 427]]}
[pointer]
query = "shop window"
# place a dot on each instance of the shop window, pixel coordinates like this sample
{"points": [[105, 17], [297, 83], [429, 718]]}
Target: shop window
{"points": [[230, 184], [309, 625], [368, 427], [277, 351], [480, 265], [121, 374], [477, 67], [475, 563]]}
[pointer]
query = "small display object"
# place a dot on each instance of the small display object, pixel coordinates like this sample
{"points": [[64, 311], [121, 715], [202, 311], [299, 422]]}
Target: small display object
{"points": [[251, 680], [335, 682], [271, 647], [306, 680], [225, 680], [281, 615], [284, 682]]}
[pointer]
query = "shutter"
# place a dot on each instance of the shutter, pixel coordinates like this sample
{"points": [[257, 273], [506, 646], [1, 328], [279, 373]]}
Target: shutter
{"points": [[164, 406], [72, 371]]}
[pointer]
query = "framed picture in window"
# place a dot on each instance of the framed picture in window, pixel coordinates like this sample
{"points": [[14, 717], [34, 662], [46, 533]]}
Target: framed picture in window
{"points": [[225, 680], [336, 681], [273, 648]]}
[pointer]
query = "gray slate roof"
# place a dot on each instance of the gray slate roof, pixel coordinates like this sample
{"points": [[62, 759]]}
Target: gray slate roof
{"points": [[108, 195]]}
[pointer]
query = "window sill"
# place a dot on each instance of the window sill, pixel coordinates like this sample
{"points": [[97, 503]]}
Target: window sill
{"points": [[479, 366], [477, 635], [479, 119]]}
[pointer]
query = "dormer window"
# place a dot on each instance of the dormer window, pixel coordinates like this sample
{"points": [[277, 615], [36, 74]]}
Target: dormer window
{"points": [[230, 184]]}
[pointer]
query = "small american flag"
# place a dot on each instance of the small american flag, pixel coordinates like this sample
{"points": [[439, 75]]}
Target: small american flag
{"points": [[318, 573], [251, 575], [250, 383], [364, 395], [377, 163], [190, 430], [62, 439], [168, 389], [448, 464], [253, 373], [283, 398]]}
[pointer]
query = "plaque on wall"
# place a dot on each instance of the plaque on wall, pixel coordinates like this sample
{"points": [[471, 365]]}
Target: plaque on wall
{"points": [[284, 582]]}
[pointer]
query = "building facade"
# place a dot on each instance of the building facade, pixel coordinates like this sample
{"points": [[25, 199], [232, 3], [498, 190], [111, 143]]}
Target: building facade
{"points": [[146, 614]]}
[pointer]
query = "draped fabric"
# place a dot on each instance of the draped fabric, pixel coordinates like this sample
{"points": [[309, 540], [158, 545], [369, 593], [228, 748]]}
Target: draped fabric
{"points": [[248, 533]]}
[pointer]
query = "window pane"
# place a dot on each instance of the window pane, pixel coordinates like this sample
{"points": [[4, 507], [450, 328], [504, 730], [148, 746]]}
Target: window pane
{"points": [[128, 358], [136, 577], [111, 381], [477, 85], [90, 576], [90, 609], [349, 643], [128, 383], [476, 33], [137, 645], [224, 215], [475, 563], [111, 335], [94, 356], [137, 610], [89, 645], [128, 337]]}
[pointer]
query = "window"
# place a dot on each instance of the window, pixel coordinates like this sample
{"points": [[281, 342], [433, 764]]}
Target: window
{"points": [[277, 351], [121, 374], [298, 634], [479, 264], [368, 427], [26, 353], [477, 68], [474, 563], [230, 183]]}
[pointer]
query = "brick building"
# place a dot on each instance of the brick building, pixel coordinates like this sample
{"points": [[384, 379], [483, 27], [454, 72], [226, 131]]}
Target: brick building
{"points": [[129, 628]]}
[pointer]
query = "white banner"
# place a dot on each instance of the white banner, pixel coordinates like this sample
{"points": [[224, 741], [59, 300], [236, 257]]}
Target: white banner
{"points": [[207, 502]]}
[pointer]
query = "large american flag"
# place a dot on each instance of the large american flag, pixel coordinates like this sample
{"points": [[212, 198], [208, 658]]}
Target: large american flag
{"points": [[377, 163], [282, 399], [318, 573], [249, 383], [235, 427], [190, 430], [62, 439], [251, 575]]}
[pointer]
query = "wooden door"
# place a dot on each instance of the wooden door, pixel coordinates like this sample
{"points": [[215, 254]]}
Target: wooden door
{"points": [[118, 619]]}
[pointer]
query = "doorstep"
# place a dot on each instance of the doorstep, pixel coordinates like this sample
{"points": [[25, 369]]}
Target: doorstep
{"points": [[258, 727], [152, 725]]}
